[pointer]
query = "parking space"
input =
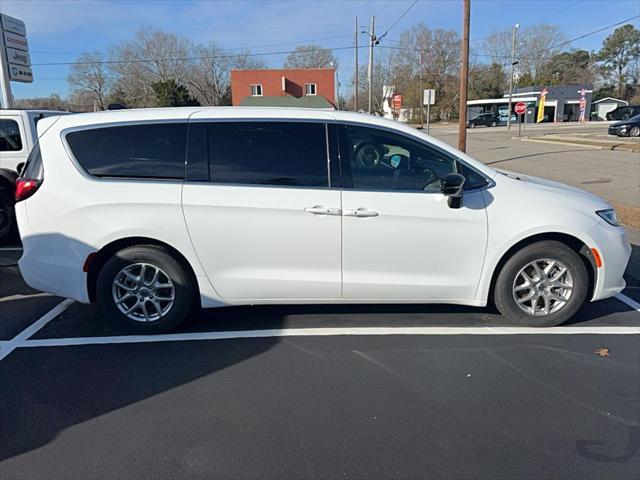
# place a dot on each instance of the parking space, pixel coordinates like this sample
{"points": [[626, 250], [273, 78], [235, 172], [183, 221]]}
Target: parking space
{"points": [[394, 391]]}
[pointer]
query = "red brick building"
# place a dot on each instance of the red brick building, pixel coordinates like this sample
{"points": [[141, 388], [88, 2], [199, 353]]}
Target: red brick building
{"points": [[284, 88]]}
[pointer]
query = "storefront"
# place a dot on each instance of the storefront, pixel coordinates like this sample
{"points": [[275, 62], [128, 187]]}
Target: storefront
{"points": [[562, 103]]}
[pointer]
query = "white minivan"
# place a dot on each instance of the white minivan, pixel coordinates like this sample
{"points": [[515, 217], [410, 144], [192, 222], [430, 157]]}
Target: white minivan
{"points": [[150, 212]]}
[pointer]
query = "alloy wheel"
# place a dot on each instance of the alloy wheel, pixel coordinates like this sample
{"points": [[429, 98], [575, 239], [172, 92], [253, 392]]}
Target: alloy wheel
{"points": [[143, 292], [543, 287]]}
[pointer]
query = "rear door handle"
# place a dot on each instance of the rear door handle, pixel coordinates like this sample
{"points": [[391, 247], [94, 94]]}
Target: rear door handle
{"points": [[321, 210], [360, 212]]}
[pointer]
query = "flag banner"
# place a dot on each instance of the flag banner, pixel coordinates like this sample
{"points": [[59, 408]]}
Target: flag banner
{"points": [[583, 105], [543, 97]]}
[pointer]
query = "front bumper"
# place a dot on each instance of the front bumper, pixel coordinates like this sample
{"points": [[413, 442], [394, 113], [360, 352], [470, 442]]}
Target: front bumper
{"points": [[619, 132], [615, 251]]}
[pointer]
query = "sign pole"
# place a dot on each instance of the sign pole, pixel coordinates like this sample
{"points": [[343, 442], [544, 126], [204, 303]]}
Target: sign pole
{"points": [[519, 124], [429, 112], [6, 98]]}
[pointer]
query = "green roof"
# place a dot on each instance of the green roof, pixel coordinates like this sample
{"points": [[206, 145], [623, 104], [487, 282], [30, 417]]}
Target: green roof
{"points": [[308, 101]]}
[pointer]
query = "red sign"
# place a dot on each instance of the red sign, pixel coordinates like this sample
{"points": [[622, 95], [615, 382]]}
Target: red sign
{"points": [[396, 103], [521, 107]]}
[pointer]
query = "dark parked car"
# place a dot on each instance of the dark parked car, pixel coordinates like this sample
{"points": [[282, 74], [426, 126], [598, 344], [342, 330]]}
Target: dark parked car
{"points": [[626, 128], [486, 119], [624, 113]]}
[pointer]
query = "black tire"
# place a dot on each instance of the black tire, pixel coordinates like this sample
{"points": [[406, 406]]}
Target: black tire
{"points": [[493, 124], [551, 249], [473, 125], [184, 289], [7, 214], [634, 132]]}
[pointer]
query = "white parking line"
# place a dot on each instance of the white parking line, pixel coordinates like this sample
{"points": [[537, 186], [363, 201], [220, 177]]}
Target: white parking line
{"points": [[19, 340], [22, 339], [324, 332], [629, 301]]}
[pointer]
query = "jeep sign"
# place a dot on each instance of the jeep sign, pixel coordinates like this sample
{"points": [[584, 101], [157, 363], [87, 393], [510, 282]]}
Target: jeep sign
{"points": [[18, 57]]}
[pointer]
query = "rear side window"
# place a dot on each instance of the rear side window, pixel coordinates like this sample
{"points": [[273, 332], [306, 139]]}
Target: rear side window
{"points": [[33, 168], [268, 153], [135, 151], [10, 140]]}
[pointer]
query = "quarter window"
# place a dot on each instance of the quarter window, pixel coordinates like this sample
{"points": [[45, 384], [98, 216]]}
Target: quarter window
{"points": [[138, 151], [10, 140], [256, 90], [310, 88], [268, 153], [379, 160]]}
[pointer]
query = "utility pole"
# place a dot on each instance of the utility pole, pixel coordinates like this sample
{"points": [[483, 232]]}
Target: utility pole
{"points": [[372, 39], [464, 78], [355, 99], [513, 63], [421, 93]]}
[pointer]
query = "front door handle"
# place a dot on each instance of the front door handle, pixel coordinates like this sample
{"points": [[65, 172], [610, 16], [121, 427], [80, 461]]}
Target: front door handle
{"points": [[360, 212], [320, 210]]}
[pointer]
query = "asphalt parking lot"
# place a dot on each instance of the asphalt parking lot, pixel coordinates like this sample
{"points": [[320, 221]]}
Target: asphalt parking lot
{"points": [[387, 391]]}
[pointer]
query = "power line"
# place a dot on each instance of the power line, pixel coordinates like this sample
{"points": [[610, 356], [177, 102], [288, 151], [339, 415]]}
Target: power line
{"points": [[398, 20], [180, 59]]}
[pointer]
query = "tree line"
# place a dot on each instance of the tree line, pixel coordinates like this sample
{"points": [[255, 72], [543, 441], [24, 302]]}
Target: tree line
{"points": [[156, 68]]}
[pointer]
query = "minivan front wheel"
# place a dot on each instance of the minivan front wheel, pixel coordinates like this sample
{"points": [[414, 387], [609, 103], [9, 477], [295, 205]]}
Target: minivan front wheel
{"points": [[145, 289], [542, 285]]}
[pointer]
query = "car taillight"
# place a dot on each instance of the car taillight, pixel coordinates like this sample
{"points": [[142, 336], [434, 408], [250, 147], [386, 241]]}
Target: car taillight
{"points": [[25, 187]]}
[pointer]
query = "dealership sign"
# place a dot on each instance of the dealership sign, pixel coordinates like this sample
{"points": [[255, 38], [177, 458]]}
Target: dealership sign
{"points": [[15, 56]]}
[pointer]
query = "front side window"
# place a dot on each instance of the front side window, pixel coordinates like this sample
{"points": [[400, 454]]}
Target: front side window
{"points": [[381, 160], [268, 153], [310, 88], [137, 151], [10, 140], [256, 90]]}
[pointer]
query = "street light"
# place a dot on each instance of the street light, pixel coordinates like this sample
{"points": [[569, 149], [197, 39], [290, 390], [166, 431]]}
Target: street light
{"points": [[513, 64]]}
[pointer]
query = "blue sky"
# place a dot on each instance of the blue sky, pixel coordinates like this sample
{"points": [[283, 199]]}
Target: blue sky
{"points": [[59, 30]]}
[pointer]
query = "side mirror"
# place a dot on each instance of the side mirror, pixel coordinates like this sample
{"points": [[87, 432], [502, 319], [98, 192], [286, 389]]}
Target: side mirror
{"points": [[452, 187]]}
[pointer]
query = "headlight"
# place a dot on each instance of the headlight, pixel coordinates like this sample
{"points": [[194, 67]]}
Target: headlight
{"points": [[609, 216]]}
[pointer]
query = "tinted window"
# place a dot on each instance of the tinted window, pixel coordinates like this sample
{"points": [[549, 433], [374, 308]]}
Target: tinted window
{"points": [[380, 160], [268, 153], [141, 151], [33, 168], [10, 140]]}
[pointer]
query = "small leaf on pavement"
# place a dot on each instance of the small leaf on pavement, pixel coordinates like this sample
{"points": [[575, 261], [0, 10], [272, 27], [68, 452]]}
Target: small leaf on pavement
{"points": [[603, 352]]}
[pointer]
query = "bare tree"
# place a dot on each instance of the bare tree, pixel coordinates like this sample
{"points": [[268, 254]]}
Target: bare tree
{"points": [[440, 50], [536, 45], [496, 48], [539, 45], [88, 77], [208, 75], [310, 56], [246, 61], [152, 56]]}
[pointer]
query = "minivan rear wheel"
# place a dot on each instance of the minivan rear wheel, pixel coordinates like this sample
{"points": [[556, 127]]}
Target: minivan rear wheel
{"points": [[144, 289], [542, 285]]}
